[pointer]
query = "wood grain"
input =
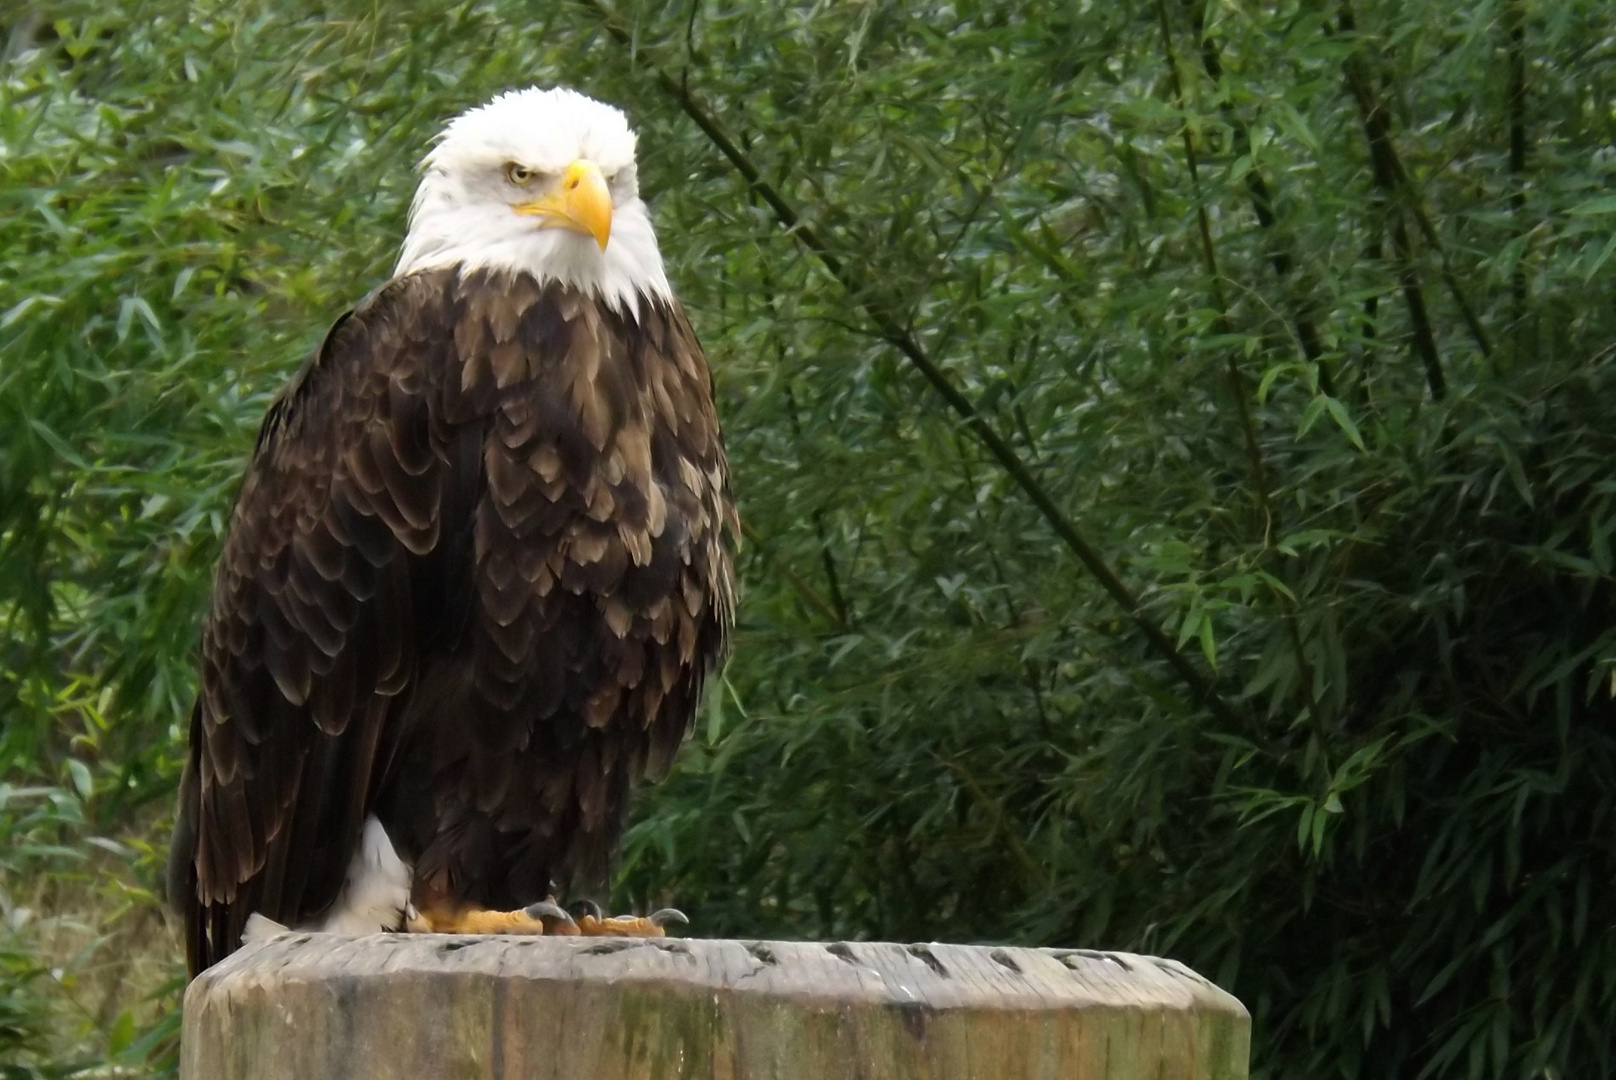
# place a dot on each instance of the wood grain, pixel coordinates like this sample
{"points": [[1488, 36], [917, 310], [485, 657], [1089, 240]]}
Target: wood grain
{"points": [[385, 1006]]}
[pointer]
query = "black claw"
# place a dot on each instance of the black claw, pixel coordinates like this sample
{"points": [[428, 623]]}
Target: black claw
{"points": [[547, 909], [668, 915], [580, 908]]}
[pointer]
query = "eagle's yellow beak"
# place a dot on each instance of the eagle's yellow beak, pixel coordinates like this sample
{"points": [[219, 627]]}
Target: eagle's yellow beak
{"points": [[583, 203]]}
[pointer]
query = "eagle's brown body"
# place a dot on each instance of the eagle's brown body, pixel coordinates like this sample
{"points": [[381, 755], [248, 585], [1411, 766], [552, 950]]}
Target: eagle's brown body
{"points": [[474, 580]]}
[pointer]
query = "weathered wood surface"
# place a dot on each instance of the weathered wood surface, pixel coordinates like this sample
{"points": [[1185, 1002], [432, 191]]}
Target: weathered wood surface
{"points": [[324, 1007]]}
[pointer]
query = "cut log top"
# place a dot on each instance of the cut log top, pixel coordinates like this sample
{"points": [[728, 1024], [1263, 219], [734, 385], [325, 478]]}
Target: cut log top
{"points": [[320, 1007]]}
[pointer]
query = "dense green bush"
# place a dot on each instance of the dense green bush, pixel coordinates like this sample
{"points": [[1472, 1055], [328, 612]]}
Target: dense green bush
{"points": [[1172, 441]]}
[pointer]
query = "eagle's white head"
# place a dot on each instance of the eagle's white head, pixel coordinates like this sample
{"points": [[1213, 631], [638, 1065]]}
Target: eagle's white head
{"points": [[541, 182]]}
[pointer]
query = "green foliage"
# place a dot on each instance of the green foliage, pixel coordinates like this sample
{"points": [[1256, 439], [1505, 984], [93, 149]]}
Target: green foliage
{"points": [[1171, 441]]}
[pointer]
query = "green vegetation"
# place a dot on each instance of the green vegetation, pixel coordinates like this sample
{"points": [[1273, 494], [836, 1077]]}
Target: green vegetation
{"points": [[1173, 439]]}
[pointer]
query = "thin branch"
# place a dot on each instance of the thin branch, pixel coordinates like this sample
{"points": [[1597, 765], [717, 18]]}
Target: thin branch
{"points": [[891, 329], [1011, 617], [1515, 21], [1209, 258], [1472, 323], [1392, 177], [1374, 251], [833, 580], [996, 821], [1262, 203], [1388, 171], [1237, 378], [826, 558], [1418, 317], [806, 592]]}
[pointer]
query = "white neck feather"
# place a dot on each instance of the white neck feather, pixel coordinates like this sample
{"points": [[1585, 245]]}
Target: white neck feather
{"points": [[448, 231]]}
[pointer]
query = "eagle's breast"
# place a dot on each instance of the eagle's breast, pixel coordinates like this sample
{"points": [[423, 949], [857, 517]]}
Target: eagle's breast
{"points": [[597, 579]]}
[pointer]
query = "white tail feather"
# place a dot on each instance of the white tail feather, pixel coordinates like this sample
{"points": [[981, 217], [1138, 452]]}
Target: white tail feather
{"points": [[259, 929], [375, 894]]}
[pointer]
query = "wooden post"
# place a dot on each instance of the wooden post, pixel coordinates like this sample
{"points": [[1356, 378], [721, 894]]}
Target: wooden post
{"points": [[386, 1006]]}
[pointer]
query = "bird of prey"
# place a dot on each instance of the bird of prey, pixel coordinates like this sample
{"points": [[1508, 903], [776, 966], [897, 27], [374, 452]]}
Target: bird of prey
{"points": [[478, 570]]}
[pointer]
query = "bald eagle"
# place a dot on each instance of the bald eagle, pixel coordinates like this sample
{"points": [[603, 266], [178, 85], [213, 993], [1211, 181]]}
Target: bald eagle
{"points": [[478, 569]]}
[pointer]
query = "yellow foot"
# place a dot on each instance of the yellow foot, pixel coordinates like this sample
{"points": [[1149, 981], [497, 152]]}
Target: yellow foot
{"points": [[545, 917], [590, 923]]}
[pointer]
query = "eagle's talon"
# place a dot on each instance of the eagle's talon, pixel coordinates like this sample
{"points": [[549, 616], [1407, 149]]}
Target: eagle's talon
{"points": [[585, 909], [543, 918], [584, 917], [549, 909], [592, 924]]}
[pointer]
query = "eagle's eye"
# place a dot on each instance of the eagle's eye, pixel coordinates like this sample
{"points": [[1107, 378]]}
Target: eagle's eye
{"points": [[519, 174]]}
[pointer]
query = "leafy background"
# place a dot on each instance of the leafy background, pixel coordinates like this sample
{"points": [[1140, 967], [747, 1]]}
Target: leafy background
{"points": [[1172, 438]]}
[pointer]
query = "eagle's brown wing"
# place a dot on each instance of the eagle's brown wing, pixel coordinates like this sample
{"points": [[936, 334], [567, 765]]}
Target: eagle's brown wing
{"points": [[345, 529]]}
